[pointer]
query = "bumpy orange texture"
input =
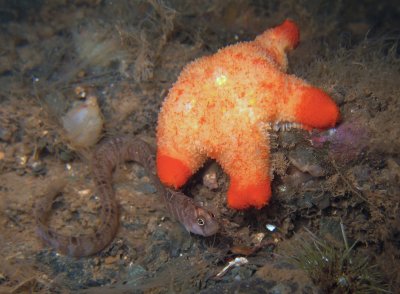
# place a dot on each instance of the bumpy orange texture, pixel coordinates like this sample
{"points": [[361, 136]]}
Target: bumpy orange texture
{"points": [[221, 106]]}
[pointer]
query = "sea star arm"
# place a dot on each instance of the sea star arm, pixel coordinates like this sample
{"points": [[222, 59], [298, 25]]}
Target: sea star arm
{"points": [[302, 103], [177, 162], [248, 168]]}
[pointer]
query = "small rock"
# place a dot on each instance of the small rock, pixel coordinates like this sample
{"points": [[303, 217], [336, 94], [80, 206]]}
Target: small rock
{"points": [[21, 160], [322, 201], [210, 179], [146, 188], [258, 237], [305, 201], [66, 155], [38, 167], [135, 274], [239, 274], [2, 278], [330, 230], [136, 271], [287, 225], [295, 178], [306, 160], [110, 259], [96, 260]]}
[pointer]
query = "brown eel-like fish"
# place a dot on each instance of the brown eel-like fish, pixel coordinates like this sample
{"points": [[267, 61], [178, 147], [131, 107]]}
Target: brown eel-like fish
{"points": [[110, 153]]}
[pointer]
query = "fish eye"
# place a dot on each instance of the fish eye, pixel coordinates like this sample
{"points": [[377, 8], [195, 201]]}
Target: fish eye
{"points": [[200, 221]]}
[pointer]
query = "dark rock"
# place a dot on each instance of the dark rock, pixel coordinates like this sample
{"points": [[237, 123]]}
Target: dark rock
{"points": [[146, 188]]}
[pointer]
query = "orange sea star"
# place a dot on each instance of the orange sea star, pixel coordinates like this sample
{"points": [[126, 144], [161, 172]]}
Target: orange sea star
{"points": [[219, 108]]}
